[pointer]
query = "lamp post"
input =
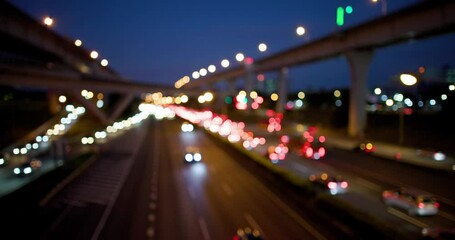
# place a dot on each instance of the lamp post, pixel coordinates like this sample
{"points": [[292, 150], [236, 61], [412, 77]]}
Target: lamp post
{"points": [[383, 6], [408, 80]]}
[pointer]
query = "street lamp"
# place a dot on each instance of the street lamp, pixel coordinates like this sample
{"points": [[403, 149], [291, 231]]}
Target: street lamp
{"points": [[262, 47], [301, 31], [383, 6], [48, 21], [408, 80]]}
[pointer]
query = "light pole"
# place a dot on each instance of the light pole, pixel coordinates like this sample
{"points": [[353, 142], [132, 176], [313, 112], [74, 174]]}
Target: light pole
{"points": [[408, 80], [383, 6]]}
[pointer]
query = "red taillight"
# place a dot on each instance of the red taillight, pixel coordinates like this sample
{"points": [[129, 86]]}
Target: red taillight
{"points": [[421, 205], [321, 151], [332, 185], [344, 184], [436, 205], [309, 152]]}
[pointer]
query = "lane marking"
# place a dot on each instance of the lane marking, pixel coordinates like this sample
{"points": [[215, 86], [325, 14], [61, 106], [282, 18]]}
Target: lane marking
{"points": [[368, 184], [447, 215], [407, 218], [292, 213]]}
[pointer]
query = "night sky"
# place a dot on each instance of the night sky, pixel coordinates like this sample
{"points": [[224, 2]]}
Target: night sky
{"points": [[162, 41]]}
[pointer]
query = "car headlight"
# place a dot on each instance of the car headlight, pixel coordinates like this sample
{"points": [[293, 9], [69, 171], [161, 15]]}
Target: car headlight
{"points": [[197, 157], [189, 157]]}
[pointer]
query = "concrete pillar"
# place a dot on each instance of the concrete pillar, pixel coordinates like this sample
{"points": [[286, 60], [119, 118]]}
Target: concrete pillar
{"points": [[231, 87], [229, 91], [249, 82], [282, 90], [359, 62]]}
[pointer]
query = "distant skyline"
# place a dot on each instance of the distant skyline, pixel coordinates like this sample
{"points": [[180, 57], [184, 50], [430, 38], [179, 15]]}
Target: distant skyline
{"points": [[160, 42]]}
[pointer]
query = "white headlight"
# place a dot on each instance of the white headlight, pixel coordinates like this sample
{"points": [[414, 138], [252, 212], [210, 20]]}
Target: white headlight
{"points": [[197, 157], [188, 157]]}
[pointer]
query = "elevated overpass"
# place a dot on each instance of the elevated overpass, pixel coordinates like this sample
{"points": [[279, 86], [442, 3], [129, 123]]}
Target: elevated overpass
{"points": [[32, 55], [67, 67], [423, 20]]}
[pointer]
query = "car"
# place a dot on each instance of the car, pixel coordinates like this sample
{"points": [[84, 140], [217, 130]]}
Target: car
{"points": [[441, 233], [187, 127], [247, 233], [335, 184], [414, 201], [434, 154], [27, 167], [367, 147], [192, 155], [2, 161]]}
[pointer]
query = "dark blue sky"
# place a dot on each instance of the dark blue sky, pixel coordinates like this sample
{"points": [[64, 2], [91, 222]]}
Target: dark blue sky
{"points": [[162, 41]]}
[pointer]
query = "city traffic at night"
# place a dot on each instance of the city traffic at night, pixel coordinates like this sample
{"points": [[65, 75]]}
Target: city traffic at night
{"points": [[255, 148]]}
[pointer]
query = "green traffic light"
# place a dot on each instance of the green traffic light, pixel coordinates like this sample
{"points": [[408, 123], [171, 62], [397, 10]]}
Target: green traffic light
{"points": [[340, 16]]}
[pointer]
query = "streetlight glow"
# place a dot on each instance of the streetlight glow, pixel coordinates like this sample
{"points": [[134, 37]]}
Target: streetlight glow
{"points": [[212, 68], [300, 30], [195, 75], [94, 54], [262, 47], [203, 72], [225, 63], [408, 79], [104, 62], [78, 42], [239, 57], [48, 21], [383, 5]]}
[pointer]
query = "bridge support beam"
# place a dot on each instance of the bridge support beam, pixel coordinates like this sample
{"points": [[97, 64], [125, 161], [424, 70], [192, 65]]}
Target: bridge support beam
{"points": [[282, 90], [91, 107], [120, 107], [359, 62]]}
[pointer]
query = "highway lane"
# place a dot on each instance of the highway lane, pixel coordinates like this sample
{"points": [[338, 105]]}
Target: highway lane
{"points": [[140, 188], [389, 174], [225, 197], [369, 176], [206, 200]]}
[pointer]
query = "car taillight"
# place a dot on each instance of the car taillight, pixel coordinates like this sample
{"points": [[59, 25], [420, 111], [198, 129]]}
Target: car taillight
{"points": [[309, 152], [421, 205], [332, 185], [321, 151], [344, 184], [436, 205]]}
